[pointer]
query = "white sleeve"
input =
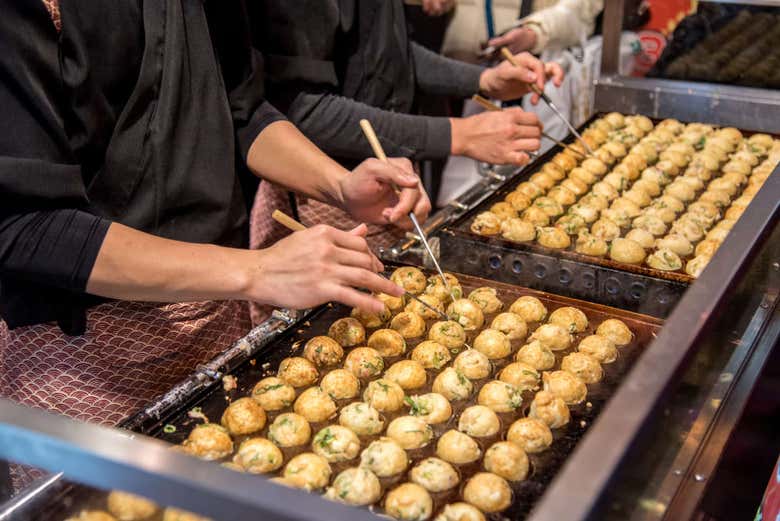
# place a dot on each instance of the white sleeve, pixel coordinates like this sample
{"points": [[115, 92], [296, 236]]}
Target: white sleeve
{"points": [[563, 25]]}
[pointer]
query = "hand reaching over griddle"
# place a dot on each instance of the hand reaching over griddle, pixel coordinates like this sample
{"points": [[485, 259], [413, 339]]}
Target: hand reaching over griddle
{"points": [[500, 138], [507, 82]]}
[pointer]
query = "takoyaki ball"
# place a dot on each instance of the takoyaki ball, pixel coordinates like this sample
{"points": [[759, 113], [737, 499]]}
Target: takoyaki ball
{"points": [[667, 215], [616, 331], [627, 251], [588, 244], [584, 176], [500, 396], [208, 441], [618, 178], [562, 195], [605, 229], [323, 351], [518, 230], [486, 223], [473, 364], [553, 171], [530, 434], [340, 384], [409, 324], [595, 166], [572, 224], [686, 149], [384, 457], [244, 416], [674, 158], [298, 371], [588, 213], [448, 333], [522, 376], [518, 200], [549, 205], [417, 307], [675, 243], [681, 191], [348, 332], [536, 355], [648, 186], [735, 212], [725, 185], [703, 164], [370, 318], [597, 201], [409, 374], [670, 125], [747, 157], [643, 122], [571, 318], [735, 165], [273, 393], [431, 355], [409, 502], [688, 228], [384, 395], [577, 187], [453, 385], [627, 206], [289, 430], [493, 344], [93, 515], [620, 217], [479, 421], [529, 189], [503, 210], [258, 456], [553, 336], [564, 161], [438, 289], [336, 443], [387, 342], [694, 182], [410, 432], [651, 224], [460, 512], [392, 303], [488, 492], [764, 141], [529, 309], [315, 405], [435, 475], [411, 279], [307, 471], [737, 178], [129, 507], [542, 180], [707, 247], [457, 448], [635, 160], [466, 313], [553, 237], [599, 347], [549, 408], [664, 259], [487, 299], [361, 418], [507, 460], [432, 408], [637, 196], [535, 216], [364, 362], [512, 325], [583, 366], [646, 150], [750, 192], [355, 486], [695, 266], [566, 386], [597, 135], [616, 149]]}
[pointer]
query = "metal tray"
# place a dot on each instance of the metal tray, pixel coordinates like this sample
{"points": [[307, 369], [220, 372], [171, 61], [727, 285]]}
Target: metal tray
{"points": [[214, 400]]}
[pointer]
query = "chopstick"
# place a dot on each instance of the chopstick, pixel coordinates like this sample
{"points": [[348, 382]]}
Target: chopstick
{"points": [[486, 104]]}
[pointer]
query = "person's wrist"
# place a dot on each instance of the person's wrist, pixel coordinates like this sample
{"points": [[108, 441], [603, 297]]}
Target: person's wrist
{"points": [[485, 81], [460, 140], [244, 275], [334, 179]]}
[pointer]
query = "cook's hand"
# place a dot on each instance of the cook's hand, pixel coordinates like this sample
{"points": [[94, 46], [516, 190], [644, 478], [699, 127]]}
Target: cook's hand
{"points": [[437, 7], [367, 193], [499, 138], [517, 40], [318, 265], [506, 81]]}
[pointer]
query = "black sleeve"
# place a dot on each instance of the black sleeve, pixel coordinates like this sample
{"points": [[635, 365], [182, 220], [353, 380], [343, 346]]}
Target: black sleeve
{"points": [[437, 74], [47, 234]]}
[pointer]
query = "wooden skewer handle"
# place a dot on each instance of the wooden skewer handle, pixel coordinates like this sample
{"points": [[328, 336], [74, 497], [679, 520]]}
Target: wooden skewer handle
{"points": [[376, 146], [287, 221]]}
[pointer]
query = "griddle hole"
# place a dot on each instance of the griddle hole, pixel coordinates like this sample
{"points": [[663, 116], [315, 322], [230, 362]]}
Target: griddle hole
{"points": [[612, 286], [564, 276], [540, 270], [517, 266], [588, 280], [494, 262], [637, 291]]}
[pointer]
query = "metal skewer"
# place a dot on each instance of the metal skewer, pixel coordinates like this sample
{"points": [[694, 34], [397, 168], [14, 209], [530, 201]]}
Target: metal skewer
{"points": [[295, 226], [379, 152], [536, 90], [487, 105]]}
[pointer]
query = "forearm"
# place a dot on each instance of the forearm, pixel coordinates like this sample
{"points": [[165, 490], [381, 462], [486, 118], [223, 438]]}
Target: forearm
{"points": [[437, 74], [282, 155], [133, 265], [333, 123]]}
